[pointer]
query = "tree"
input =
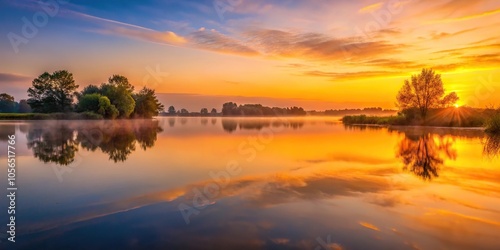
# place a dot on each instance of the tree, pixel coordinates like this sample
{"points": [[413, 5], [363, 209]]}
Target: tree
{"points": [[171, 110], [230, 108], [146, 104], [424, 91], [52, 92], [97, 104], [121, 82], [213, 112], [119, 91], [7, 103], [24, 107], [204, 111]]}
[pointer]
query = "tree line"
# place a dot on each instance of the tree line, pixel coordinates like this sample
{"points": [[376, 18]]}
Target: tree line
{"points": [[232, 109], [57, 93]]}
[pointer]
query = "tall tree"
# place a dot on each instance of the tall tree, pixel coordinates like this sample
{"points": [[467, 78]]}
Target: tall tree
{"points": [[52, 92], [424, 91]]}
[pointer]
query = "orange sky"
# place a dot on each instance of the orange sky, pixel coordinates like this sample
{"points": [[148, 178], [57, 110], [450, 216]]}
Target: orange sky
{"points": [[318, 54]]}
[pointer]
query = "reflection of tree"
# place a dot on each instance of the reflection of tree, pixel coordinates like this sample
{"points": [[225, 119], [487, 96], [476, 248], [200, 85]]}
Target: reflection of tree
{"points": [[6, 130], [118, 142], [171, 121], [229, 125], [491, 146], [53, 144], [422, 154], [146, 134], [117, 139]]}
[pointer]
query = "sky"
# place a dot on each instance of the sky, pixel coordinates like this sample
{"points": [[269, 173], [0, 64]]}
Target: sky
{"points": [[318, 54]]}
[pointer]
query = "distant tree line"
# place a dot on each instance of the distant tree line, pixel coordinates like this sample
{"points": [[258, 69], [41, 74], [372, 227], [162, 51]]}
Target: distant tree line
{"points": [[232, 109], [343, 112], [57, 93], [8, 105]]}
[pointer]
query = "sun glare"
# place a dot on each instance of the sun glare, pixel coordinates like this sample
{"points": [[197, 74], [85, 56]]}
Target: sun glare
{"points": [[456, 105]]}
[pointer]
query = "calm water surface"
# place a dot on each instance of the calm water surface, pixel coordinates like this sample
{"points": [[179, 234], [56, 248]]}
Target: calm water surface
{"points": [[251, 183]]}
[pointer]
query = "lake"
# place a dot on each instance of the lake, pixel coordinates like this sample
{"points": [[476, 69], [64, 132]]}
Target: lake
{"points": [[250, 183]]}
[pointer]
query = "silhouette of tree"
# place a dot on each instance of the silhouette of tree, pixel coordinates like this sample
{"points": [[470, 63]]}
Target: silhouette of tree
{"points": [[7, 103], [230, 108], [171, 110], [423, 156], [52, 92], [213, 112], [24, 107], [424, 91], [204, 111]]}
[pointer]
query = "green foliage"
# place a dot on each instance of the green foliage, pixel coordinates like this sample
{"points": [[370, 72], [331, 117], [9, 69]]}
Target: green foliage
{"points": [[120, 96], [88, 102], [97, 104], [52, 92], [107, 109], [146, 104]]}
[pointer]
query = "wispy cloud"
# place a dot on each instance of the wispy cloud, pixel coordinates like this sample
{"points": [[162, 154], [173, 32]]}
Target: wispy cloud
{"points": [[215, 41], [7, 77], [467, 17], [371, 8]]}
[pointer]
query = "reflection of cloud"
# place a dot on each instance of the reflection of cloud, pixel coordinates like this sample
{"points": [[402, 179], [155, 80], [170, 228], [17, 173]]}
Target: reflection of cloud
{"points": [[354, 158], [260, 191], [369, 226]]}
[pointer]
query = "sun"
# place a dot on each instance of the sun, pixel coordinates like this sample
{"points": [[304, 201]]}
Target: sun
{"points": [[456, 105]]}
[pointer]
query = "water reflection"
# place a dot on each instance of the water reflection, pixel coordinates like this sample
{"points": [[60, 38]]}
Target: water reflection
{"points": [[6, 130], [58, 142], [55, 143], [424, 151], [424, 155], [229, 125], [491, 145]]}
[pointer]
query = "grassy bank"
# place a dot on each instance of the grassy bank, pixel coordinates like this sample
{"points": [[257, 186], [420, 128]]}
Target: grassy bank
{"points": [[493, 124], [51, 116], [449, 117]]}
